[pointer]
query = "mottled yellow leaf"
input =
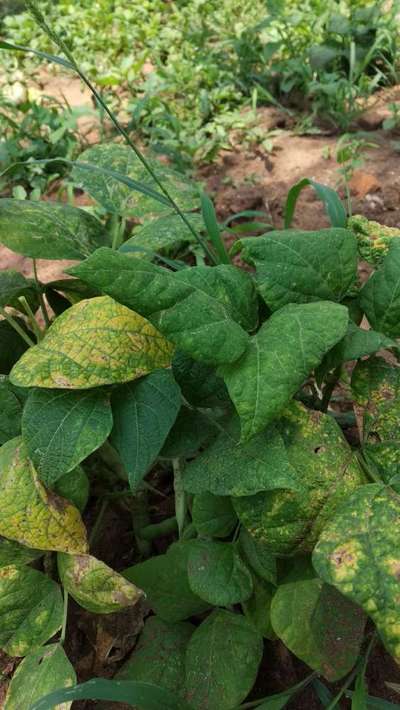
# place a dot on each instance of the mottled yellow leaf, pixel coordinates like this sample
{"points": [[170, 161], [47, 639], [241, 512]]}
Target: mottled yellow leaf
{"points": [[95, 586], [95, 342], [31, 514]]}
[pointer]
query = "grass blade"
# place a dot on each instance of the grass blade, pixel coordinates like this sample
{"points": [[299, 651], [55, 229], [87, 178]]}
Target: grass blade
{"points": [[332, 203]]}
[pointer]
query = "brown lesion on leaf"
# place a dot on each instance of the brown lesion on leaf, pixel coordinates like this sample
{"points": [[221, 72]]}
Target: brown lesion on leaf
{"points": [[345, 560], [393, 565]]}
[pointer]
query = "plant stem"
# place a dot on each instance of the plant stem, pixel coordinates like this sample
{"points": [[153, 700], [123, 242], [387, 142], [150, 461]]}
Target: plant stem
{"points": [[17, 327], [115, 231], [41, 299], [39, 17], [166, 527], [31, 316], [140, 519], [329, 387], [180, 497], [65, 618]]}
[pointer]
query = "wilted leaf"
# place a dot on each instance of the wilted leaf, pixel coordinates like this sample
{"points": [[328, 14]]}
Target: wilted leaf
{"points": [[96, 342], [49, 230], [163, 234], [331, 631], [376, 389], [279, 358], [94, 585], [31, 609], [164, 580], [217, 573], [222, 661], [29, 513], [299, 267], [199, 309], [289, 521], [213, 516], [257, 554], [41, 672], [358, 552], [144, 412], [61, 428], [380, 296], [159, 656], [114, 196]]}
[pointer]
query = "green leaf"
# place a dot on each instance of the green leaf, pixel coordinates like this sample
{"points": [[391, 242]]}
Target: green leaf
{"points": [[380, 296], [143, 696], [31, 609], [41, 672], [61, 428], [12, 284], [358, 553], [222, 661], [213, 230], [42, 55], [279, 358], [228, 467], [331, 631], [144, 412], [217, 573], [12, 346], [96, 342], [159, 656], [191, 430], [289, 521], [213, 516], [330, 199], [199, 383], [258, 556], [257, 609], [94, 585], [164, 580], [119, 198], [11, 406], [29, 513], [164, 234], [376, 389], [300, 267], [12, 553], [49, 230], [199, 309], [356, 344], [74, 486]]}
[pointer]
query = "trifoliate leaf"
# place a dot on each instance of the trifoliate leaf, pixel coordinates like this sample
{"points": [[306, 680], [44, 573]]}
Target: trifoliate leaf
{"points": [[380, 296], [200, 309], [31, 609], [12, 346], [61, 428], [96, 342], [257, 609], [74, 486], [257, 554], [12, 284], [12, 553], [94, 585], [29, 513], [163, 234], [279, 358], [192, 430], [213, 516], [199, 383], [11, 406]]}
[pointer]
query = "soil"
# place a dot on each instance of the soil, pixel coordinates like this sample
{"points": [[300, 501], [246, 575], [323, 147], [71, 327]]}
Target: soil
{"points": [[241, 179]]}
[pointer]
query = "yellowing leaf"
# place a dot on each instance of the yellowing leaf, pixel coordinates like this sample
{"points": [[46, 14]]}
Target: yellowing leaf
{"points": [[95, 586], [95, 342], [29, 513]]}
